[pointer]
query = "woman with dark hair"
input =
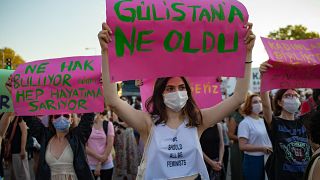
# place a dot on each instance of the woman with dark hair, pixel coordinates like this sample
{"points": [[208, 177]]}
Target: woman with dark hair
{"points": [[62, 152], [291, 150], [253, 139], [173, 121], [313, 169]]}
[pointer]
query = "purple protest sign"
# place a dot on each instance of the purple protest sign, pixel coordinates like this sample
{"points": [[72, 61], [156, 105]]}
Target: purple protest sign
{"points": [[176, 38], [206, 91], [56, 86], [296, 64]]}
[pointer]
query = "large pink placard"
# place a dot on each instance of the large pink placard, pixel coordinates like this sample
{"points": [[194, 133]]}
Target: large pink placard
{"points": [[176, 38], [56, 86], [296, 64], [206, 91]]}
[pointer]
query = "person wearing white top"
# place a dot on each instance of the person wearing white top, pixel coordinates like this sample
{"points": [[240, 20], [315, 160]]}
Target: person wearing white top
{"points": [[253, 139], [174, 151]]}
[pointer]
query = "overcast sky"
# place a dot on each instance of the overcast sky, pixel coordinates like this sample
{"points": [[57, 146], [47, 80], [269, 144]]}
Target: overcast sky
{"points": [[40, 29]]}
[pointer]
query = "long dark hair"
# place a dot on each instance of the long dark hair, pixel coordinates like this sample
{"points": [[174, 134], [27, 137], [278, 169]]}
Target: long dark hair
{"points": [[315, 127], [155, 104], [316, 96]]}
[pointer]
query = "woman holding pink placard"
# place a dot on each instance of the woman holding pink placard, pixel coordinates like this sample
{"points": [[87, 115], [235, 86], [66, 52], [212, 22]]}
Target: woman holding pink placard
{"points": [[173, 124], [291, 150], [62, 153]]}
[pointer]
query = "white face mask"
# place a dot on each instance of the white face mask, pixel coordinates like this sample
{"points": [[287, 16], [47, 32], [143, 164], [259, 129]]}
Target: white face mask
{"points": [[176, 100], [291, 104], [257, 108]]}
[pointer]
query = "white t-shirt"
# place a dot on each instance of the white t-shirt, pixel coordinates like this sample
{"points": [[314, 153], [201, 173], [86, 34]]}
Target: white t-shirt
{"points": [[254, 130], [175, 153]]}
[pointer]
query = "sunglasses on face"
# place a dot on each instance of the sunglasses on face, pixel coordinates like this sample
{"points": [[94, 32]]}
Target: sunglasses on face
{"points": [[59, 115]]}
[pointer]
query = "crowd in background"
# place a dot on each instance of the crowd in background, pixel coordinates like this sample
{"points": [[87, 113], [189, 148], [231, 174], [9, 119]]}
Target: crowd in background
{"points": [[114, 150], [270, 135]]}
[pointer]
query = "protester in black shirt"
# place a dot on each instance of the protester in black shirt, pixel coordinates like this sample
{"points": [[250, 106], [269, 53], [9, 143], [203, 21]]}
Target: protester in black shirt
{"points": [[213, 149], [291, 150]]}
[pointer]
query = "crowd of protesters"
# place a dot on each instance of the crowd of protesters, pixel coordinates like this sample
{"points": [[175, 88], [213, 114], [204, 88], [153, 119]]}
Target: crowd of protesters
{"points": [[102, 145], [270, 135]]}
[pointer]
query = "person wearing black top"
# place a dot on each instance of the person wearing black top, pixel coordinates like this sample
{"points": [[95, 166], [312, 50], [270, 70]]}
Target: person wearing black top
{"points": [[213, 149], [291, 150]]}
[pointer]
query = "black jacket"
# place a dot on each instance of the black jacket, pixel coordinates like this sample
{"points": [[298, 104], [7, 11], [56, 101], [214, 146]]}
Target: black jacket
{"points": [[77, 138]]}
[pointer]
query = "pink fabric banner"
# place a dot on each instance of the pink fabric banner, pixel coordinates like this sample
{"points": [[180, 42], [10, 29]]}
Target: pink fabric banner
{"points": [[296, 64], [206, 91], [176, 38], [57, 86]]}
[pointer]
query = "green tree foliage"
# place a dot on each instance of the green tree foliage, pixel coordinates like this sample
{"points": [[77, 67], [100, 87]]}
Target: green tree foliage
{"points": [[8, 53], [293, 32]]}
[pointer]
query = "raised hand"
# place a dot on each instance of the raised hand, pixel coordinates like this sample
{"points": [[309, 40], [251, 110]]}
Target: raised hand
{"points": [[250, 38], [264, 67], [9, 84], [105, 36]]}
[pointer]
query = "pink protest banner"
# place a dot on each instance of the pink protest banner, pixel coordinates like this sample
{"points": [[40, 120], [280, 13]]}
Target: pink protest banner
{"points": [[296, 64], [176, 38], [56, 86], [206, 91]]}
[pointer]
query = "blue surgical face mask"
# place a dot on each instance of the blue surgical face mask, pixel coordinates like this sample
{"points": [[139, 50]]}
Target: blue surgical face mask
{"points": [[61, 124]]}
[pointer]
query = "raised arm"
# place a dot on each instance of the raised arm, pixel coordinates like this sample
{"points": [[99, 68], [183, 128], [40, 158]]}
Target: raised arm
{"points": [[141, 121], [5, 118], [36, 128], [221, 145], [4, 123], [216, 113], [266, 104], [24, 133], [83, 130]]}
